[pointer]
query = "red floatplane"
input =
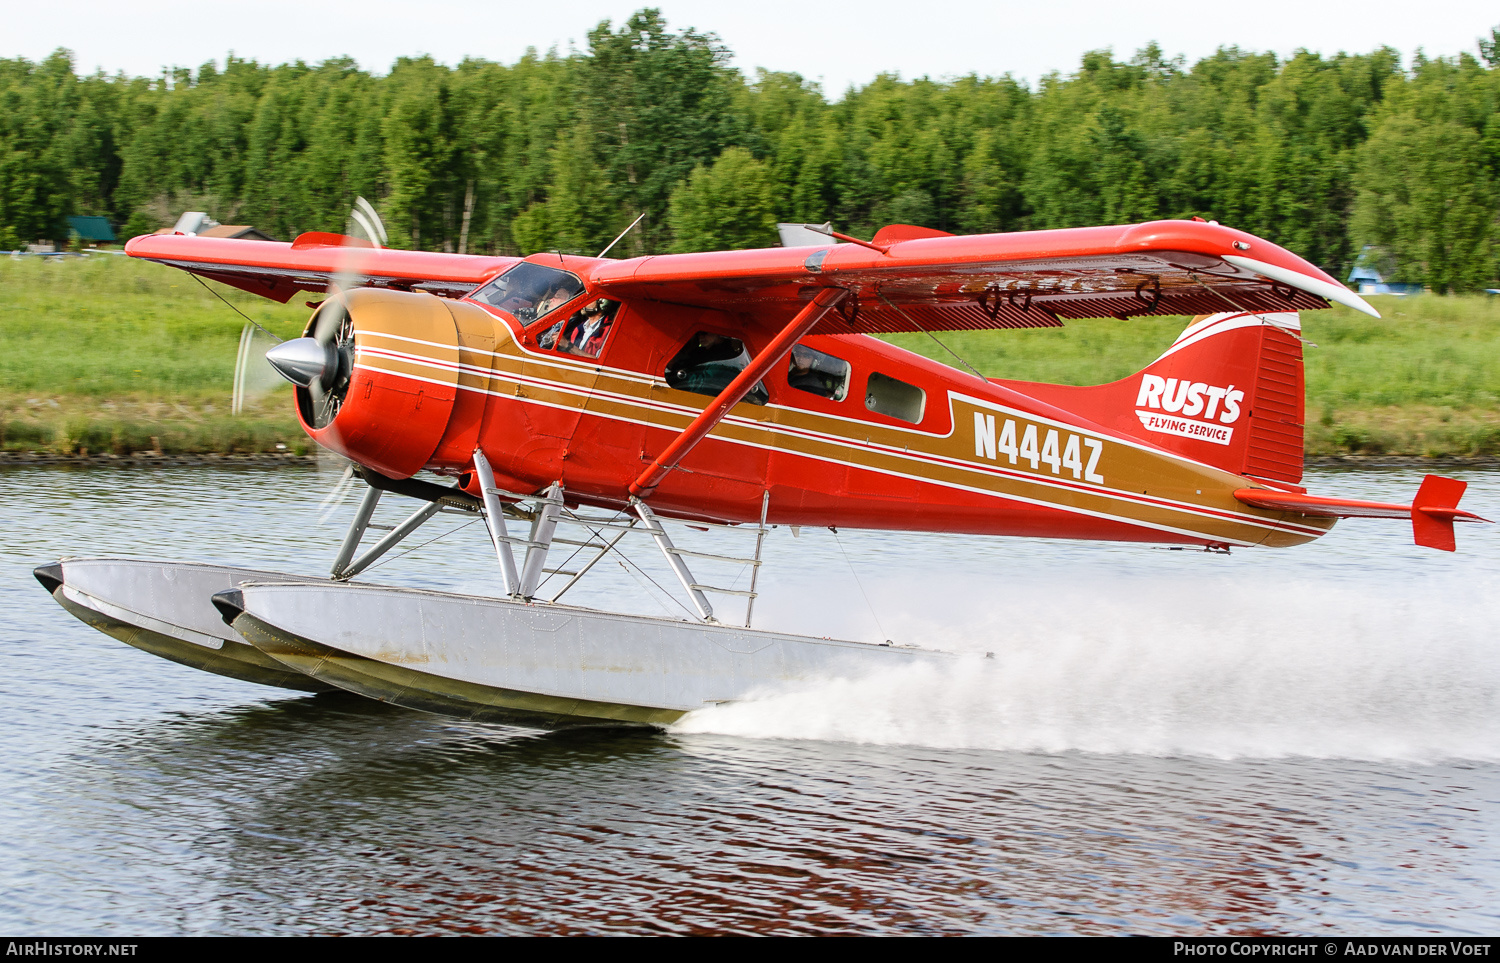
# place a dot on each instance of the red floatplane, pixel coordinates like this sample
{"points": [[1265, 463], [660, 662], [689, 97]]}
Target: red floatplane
{"points": [[730, 388]]}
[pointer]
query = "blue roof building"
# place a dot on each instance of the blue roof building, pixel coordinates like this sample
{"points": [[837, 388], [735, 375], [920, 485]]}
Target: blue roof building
{"points": [[1367, 280], [92, 229]]}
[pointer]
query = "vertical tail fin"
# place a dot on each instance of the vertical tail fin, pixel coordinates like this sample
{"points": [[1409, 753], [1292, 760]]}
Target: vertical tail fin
{"points": [[1257, 428], [1228, 393]]}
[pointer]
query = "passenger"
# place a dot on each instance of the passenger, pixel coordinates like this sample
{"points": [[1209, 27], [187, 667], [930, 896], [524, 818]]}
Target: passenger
{"points": [[708, 364], [803, 371], [808, 373], [586, 330]]}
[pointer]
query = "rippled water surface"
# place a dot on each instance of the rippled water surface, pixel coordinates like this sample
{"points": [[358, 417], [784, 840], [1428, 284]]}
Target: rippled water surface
{"points": [[1299, 741]]}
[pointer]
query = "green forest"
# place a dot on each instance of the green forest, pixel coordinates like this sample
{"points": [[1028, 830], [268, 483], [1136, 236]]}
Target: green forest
{"points": [[1345, 158]]}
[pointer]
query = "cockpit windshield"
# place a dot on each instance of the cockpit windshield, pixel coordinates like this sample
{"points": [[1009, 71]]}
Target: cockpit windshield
{"points": [[528, 291]]}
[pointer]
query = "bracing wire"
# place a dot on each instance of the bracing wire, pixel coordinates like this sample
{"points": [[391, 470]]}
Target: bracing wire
{"points": [[929, 334], [850, 562], [654, 598], [1220, 295], [235, 309], [616, 549], [392, 558], [1244, 310], [562, 564]]}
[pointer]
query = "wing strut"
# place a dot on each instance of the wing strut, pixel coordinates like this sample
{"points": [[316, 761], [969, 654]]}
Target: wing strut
{"points": [[736, 390]]}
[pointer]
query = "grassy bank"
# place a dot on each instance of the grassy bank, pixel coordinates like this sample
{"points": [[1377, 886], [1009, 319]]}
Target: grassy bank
{"points": [[110, 354]]}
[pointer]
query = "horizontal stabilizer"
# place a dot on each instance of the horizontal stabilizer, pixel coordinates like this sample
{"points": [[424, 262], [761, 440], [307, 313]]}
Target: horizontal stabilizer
{"points": [[1435, 509], [1432, 512]]}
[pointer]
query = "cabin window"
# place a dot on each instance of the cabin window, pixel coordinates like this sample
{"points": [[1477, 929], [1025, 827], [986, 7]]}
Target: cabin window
{"points": [[529, 291], [885, 395], [584, 331], [708, 363], [818, 373]]}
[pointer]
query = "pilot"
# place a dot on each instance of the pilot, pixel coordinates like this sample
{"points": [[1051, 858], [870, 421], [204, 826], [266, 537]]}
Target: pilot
{"points": [[555, 298], [804, 373]]}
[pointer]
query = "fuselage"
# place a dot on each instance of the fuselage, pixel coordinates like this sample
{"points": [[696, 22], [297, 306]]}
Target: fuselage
{"points": [[874, 437]]}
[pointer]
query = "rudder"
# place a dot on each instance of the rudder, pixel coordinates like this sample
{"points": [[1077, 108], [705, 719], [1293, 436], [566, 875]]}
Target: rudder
{"points": [[1229, 392]]}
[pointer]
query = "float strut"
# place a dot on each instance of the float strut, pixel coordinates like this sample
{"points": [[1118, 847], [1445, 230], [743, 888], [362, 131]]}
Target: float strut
{"points": [[391, 540], [541, 540], [356, 532], [674, 558], [494, 519], [760, 539]]}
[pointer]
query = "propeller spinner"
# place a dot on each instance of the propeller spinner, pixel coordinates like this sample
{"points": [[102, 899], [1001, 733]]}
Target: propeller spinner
{"points": [[305, 360]]}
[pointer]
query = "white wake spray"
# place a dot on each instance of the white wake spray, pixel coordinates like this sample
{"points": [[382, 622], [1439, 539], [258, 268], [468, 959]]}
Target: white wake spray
{"points": [[1216, 666]]}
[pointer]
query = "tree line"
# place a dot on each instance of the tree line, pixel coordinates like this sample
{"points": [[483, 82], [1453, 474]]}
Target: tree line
{"points": [[1343, 158]]}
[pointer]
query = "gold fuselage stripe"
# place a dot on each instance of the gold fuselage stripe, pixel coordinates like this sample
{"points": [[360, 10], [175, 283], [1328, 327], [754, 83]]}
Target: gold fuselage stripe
{"points": [[624, 396]]}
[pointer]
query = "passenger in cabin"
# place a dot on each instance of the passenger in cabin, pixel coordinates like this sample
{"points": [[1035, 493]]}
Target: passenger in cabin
{"points": [[585, 332], [708, 363], [817, 373], [699, 366]]}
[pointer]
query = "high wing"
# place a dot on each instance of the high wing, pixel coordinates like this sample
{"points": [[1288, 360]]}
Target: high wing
{"points": [[278, 271], [1020, 280], [897, 282]]}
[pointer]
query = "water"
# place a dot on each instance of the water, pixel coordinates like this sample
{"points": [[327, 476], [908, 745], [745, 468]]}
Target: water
{"points": [[1296, 741]]}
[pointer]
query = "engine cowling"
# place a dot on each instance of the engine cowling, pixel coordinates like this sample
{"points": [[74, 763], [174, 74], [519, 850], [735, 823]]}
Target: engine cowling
{"points": [[393, 384]]}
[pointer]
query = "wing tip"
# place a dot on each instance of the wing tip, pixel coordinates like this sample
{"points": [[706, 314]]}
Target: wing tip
{"points": [[1329, 290]]}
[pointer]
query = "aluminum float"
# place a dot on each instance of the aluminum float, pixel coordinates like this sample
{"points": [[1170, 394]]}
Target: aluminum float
{"points": [[514, 659], [166, 608], [542, 665]]}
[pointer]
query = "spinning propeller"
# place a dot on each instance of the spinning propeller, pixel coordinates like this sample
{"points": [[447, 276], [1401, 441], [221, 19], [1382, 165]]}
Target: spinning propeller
{"points": [[254, 377], [322, 360]]}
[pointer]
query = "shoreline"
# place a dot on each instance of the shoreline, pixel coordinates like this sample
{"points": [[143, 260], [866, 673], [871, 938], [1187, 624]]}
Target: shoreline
{"points": [[286, 459], [151, 459]]}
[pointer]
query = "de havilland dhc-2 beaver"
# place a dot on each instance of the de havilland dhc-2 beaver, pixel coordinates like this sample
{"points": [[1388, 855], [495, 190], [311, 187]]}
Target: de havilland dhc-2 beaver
{"points": [[599, 398]]}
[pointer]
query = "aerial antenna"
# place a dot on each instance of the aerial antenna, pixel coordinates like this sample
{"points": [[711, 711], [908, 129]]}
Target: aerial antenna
{"points": [[622, 234]]}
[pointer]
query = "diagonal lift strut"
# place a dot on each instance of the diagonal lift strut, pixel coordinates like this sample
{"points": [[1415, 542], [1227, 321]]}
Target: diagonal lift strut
{"points": [[768, 357]]}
